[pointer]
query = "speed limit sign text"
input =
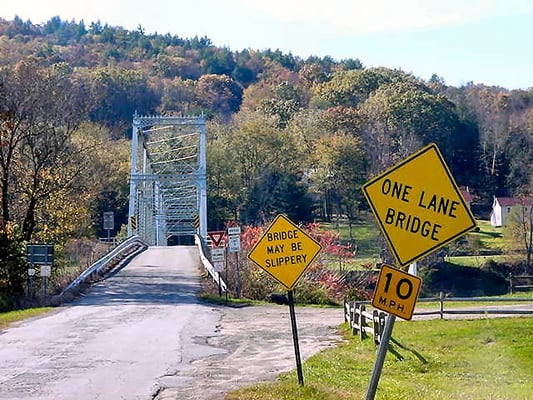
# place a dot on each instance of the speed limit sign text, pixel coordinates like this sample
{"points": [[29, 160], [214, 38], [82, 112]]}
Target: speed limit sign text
{"points": [[396, 292]]}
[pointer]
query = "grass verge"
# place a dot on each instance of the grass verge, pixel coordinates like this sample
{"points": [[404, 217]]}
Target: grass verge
{"points": [[10, 317], [449, 304], [448, 359]]}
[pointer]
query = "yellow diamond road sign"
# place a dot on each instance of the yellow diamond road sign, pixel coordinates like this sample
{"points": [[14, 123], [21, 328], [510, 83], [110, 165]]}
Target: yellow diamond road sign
{"points": [[284, 251], [418, 205]]}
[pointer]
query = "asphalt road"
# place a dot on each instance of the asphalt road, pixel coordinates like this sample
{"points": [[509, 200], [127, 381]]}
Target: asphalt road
{"points": [[142, 334], [120, 341]]}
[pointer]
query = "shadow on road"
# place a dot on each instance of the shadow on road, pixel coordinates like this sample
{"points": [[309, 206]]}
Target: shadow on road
{"points": [[138, 288]]}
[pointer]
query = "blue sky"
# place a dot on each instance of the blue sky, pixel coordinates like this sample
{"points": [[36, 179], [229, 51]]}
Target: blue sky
{"points": [[482, 41]]}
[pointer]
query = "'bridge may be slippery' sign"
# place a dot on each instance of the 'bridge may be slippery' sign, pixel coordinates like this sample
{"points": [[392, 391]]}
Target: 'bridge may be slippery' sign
{"points": [[418, 205], [284, 251]]}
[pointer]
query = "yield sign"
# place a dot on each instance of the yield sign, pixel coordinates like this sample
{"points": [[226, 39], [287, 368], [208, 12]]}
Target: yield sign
{"points": [[284, 251], [418, 205], [216, 237]]}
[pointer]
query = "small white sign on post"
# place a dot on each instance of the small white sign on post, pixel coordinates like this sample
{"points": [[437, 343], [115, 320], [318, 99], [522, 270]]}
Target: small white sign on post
{"points": [[234, 238], [234, 243], [218, 257], [46, 271], [218, 254], [219, 266], [234, 230]]}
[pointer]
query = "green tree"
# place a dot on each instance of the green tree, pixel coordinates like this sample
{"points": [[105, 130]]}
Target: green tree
{"points": [[284, 103], [351, 87], [399, 118], [217, 61], [255, 168], [338, 174], [13, 266]]}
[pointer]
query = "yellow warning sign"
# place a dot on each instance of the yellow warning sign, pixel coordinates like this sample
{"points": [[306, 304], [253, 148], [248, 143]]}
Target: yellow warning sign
{"points": [[284, 251], [396, 292], [418, 205]]}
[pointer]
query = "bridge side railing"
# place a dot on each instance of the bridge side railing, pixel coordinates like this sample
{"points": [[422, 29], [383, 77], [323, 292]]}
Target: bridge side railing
{"points": [[124, 251], [217, 278]]}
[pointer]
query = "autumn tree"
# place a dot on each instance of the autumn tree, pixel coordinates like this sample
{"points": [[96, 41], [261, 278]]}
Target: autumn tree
{"points": [[178, 96], [118, 93], [218, 94], [42, 160], [42, 108]]}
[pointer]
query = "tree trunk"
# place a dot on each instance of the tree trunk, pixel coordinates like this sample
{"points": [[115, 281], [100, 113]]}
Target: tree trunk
{"points": [[29, 220], [5, 200]]}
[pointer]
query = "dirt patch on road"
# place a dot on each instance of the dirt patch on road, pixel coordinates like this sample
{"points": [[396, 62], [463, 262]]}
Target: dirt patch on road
{"points": [[253, 344]]}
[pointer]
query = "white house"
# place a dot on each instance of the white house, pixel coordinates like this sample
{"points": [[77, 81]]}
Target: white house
{"points": [[502, 207]]}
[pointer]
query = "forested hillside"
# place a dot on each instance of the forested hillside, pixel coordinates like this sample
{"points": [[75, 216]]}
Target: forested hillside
{"points": [[286, 134]]}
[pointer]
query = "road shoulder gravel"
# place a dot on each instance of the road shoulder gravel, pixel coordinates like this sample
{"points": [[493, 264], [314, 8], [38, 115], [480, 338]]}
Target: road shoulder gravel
{"points": [[251, 344]]}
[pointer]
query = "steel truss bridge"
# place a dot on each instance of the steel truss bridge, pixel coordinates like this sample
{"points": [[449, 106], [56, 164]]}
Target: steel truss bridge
{"points": [[168, 195]]}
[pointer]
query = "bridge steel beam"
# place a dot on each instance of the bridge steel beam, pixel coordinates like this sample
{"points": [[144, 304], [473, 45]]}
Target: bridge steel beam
{"points": [[168, 187]]}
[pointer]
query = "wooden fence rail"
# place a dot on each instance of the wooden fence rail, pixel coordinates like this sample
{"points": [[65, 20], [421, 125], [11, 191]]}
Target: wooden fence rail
{"points": [[365, 322], [520, 282]]}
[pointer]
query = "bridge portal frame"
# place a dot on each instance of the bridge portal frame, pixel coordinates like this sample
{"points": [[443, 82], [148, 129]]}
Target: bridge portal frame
{"points": [[168, 188]]}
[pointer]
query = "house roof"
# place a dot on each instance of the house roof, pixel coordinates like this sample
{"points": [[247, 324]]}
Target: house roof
{"points": [[466, 195], [512, 201]]}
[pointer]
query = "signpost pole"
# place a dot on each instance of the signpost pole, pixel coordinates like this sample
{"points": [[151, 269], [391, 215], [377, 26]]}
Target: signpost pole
{"points": [[44, 286], [226, 269], [31, 274], [380, 359], [295, 339], [238, 276], [30, 288]]}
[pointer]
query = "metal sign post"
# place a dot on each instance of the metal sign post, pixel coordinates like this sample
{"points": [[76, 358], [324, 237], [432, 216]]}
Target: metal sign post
{"points": [[295, 338], [46, 272], [31, 275], [380, 359], [234, 238], [218, 256], [43, 255], [396, 293]]}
